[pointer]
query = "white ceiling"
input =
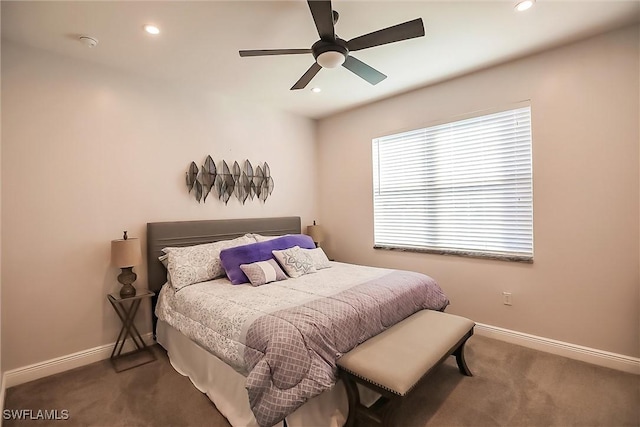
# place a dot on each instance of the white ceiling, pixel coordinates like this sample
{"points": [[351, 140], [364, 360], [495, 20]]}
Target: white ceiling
{"points": [[199, 43]]}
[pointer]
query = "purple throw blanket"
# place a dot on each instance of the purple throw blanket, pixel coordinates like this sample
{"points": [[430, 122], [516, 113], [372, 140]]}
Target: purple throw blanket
{"points": [[292, 353]]}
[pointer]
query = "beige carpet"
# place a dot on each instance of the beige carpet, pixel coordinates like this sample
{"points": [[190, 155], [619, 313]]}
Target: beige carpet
{"points": [[511, 386]]}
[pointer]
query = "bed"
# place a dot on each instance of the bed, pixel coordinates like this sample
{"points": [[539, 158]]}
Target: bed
{"points": [[265, 355]]}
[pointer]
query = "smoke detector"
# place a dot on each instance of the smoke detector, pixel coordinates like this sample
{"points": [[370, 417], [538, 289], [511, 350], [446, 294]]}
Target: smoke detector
{"points": [[88, 41]]}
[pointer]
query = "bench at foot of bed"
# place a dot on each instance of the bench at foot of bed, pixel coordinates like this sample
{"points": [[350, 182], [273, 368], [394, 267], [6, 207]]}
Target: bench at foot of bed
{"points": [[393, 362]]}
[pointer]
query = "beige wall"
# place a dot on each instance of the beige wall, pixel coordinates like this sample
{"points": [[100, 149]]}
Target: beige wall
{"points": [[1, 369], [583, 287], [89, 152]]}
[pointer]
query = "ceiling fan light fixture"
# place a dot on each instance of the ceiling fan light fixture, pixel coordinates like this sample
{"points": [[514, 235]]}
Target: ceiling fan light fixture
{"points": [[331, 59], [524, 5]]}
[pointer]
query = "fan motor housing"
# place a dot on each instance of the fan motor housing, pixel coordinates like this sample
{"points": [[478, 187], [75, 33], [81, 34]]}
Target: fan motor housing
{"points": [[322, 46]]}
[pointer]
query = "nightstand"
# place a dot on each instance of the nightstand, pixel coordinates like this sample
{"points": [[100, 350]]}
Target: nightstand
{"points": [[127, 308]]}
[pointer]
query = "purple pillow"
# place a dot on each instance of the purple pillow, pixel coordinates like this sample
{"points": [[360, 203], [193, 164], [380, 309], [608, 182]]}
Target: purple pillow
{"points": [[232, 258]]}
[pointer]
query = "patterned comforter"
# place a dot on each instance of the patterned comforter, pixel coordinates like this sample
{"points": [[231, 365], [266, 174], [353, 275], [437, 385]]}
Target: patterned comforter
{"points": [[286, 336]]}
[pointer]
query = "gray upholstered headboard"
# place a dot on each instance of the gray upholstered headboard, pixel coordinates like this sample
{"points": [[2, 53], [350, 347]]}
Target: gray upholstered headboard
{"points": [[187, 233]]}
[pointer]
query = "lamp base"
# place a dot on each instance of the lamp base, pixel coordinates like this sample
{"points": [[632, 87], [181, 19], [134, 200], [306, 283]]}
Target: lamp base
{"points": [[127, 291], [127, 277]]}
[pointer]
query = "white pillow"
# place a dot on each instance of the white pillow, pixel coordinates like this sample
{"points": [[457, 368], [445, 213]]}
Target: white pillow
{"points": [[294, 262], [199, 263], [318, 257]]}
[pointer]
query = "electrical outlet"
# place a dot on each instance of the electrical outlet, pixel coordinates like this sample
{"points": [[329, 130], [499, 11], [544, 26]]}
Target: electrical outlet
{"points": [[506, 298]]}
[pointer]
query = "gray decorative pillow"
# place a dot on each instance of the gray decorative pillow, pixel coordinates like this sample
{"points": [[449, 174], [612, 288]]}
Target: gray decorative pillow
{"points": [[199, 263], [294, 262], [318, 257], [262, 272]]}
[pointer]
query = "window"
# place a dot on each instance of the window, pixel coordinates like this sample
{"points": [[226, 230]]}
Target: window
{"points": [[463, 188]]}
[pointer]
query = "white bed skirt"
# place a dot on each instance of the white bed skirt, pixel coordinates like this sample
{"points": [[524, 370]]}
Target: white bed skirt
{"points": [[226, 387]]}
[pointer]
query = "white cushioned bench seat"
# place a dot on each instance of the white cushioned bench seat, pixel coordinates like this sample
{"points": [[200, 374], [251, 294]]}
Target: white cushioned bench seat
{"points": [[393, 362]]}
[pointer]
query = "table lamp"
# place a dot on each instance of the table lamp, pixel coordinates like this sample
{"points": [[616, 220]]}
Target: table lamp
{"points": [[315, 232], [125, 253]]}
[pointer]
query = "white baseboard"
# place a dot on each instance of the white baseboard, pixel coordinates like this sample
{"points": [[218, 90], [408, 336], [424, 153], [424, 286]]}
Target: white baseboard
{"points": [[60, 364], [573, 351]]}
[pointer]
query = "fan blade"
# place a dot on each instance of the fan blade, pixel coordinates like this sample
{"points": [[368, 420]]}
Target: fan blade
{"points": [[267, 52], [323, 17], [404, 31], [363, 70], [306, 77]]}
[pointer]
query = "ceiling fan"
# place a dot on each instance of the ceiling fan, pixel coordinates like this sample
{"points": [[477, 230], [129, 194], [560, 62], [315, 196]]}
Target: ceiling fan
{"points": [[331, 51]]}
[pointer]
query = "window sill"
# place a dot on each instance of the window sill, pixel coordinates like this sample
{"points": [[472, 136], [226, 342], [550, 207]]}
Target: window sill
{"points": [[468, 254]]}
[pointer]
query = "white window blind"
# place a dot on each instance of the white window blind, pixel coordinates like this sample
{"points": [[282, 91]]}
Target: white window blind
{"points": [[463, 187]]}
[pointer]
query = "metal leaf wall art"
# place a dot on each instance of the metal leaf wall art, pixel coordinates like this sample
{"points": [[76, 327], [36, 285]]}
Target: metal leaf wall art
{"points": [[228, 183], [192, 174], [198, 186], [224, 182], [209, 173]]}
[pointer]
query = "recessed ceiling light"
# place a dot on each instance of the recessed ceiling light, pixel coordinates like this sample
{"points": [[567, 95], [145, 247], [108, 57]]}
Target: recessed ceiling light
{"points": [[524, 5], [152, 29], [316, 90]]}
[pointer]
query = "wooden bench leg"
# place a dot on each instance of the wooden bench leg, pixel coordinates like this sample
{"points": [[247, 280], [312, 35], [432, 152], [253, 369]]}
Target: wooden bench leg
{"points": [[357, 409], [462, 364], [390, 411], [353, 397]]}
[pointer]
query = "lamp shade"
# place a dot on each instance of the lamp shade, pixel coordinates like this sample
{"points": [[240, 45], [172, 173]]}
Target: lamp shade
{"points": [[315, 232], [125, 253]]}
